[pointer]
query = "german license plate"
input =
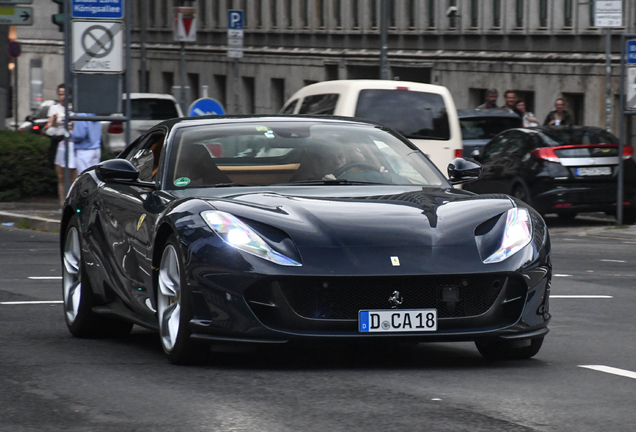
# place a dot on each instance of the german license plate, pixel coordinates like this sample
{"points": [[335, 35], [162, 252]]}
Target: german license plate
{"points": [[397, 320], [594, 171]]}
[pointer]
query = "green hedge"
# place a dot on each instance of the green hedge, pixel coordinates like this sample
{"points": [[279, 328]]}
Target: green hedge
{"points": [[24, 169]]}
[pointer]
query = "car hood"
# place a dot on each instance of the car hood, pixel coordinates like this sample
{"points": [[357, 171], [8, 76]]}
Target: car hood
{"points": [[437, 217]]}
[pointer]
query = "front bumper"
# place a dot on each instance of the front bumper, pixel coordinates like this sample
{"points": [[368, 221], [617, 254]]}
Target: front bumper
{"points": [[266, 309]]}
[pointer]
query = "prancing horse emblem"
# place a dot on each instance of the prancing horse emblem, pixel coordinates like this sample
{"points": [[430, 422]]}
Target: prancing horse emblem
{"points": [[396, 299]]}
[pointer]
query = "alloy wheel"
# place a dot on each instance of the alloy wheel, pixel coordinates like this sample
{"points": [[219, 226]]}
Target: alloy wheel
{"points": [[72, 276], [169, 298]]}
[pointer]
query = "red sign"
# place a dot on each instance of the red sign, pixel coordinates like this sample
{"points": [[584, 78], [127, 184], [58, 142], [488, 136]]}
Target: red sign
{"points": [[185, 24]]}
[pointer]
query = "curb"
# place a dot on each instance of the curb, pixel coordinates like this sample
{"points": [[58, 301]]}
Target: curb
{"points": [[37, 223]]}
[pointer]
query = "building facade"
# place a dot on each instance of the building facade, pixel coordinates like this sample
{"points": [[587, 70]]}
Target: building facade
{"points": [[544, 49]]}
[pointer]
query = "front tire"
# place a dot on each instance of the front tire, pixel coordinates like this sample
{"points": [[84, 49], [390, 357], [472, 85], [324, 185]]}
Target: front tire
{"points": [[80, 319], [509, 349], [173, 307]]}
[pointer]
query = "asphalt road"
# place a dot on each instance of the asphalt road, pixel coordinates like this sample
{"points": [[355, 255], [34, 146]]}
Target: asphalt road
{"points": [[50, 381]]}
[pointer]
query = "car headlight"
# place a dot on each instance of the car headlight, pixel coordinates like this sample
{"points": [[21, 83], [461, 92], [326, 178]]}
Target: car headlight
{"points": [[517, 234], [235, 233]]}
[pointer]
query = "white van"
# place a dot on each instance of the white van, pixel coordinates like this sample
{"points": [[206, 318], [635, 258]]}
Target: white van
{"points": [[423, 113]]}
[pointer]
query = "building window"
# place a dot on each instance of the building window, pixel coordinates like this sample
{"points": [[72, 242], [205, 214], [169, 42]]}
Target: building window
{"points": [[152, 13], [258, 13], [167, 79], [543, 13], [193, 82], [374, 13], [216, 11], [220, 89], [390, 5], [249, 103], [246, 14], [304, 13], [36, 83], [277, 94], [355, 14], [496, 13], [519, 14], [337, 13], [592, 13], [474, 13], [452, 21], [290, 13], [163, 13], [431, 13], [274, 13], [320, 12], [567, 13], [411, 13], [203, 13]]}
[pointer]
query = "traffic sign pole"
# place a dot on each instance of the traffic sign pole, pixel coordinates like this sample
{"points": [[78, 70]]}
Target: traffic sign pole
{"points": [[235, 25]]}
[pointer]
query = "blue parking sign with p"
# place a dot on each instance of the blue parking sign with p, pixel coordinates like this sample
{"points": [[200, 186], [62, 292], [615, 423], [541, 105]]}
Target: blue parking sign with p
{"points": [[631, 51], [235, 19]]}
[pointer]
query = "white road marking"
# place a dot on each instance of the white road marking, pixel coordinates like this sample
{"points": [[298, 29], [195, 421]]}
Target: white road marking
{"points": [[617, 261], [45, 277], [31, 302], [562, 275], [582, 296], [611, 370]]}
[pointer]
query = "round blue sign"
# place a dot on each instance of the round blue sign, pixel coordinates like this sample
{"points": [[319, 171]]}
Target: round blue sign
{"points": [[205, 106], [14, 49]]}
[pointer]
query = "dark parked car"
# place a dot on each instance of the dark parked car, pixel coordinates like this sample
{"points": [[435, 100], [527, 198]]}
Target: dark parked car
{"points": [[481, 125], [280, 229], [35, 122], [558, 169]]}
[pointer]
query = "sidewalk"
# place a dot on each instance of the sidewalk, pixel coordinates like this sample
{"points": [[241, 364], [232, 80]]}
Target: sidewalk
{"points": [[41, 214]]}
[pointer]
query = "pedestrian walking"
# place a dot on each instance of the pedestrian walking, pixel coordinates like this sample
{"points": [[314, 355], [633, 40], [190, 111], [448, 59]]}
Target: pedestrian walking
{"points": [[510, 102], [491, 99], [529, 119], [87, 138], [55, 129], [559, 116]]}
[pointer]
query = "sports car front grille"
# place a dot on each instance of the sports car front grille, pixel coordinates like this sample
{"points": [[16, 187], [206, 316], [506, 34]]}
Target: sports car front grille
{"points": [[342, 297]]}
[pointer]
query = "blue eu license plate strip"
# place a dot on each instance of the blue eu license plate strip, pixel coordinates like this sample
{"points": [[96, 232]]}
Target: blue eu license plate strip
{"points": [[397, 320]]}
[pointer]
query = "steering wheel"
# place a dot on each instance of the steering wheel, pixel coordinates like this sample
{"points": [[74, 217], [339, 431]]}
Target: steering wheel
{"points": [[343, 169]]}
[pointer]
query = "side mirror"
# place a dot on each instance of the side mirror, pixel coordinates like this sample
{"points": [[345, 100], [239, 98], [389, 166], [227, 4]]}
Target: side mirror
{"points": [[120, 171], [475, 154], [461, 170]]}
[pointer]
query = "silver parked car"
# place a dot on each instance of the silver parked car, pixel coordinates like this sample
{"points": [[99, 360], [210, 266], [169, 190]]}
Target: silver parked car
{"points": [[148, 109]]}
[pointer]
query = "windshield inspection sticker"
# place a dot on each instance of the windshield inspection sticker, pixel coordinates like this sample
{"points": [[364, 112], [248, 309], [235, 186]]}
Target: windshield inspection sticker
{"points": [[183, 181], [261, 128], [270, 135]]}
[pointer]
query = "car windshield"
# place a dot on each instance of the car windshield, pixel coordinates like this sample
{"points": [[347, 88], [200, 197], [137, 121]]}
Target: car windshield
{"points": [[153, 109], [485, 128], [294, 152], [577, 136], [414, 114]]}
